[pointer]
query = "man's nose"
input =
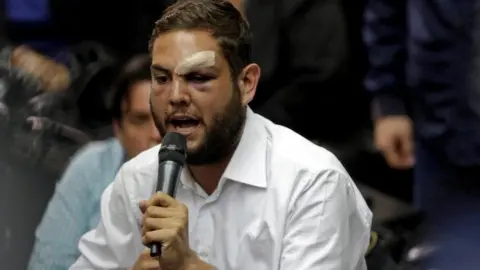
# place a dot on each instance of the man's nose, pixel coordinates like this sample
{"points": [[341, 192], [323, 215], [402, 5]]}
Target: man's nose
{"points": [[179, 93]]}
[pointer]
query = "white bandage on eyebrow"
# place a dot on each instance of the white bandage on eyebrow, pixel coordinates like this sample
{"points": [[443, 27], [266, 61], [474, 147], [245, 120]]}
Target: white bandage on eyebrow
{"points": [[197, 60]]}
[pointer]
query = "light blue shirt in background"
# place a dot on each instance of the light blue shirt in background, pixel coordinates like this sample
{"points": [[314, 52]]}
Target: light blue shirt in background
{"points": [[75, 206]]}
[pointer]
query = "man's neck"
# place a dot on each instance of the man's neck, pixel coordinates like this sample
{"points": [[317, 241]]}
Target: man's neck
{"points": [[208, 176]]}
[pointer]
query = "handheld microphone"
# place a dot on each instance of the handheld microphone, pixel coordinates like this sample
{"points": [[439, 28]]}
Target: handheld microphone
{"points": [[171, 159]]}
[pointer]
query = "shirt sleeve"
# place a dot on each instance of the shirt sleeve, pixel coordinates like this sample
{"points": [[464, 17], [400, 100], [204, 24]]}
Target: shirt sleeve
{"points": [[385, 37], [116, 242], [328, 226], [67, 216]]}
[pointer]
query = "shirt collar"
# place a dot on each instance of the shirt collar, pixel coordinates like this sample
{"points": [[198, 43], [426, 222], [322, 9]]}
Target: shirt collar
{"points": [[248, 163]]}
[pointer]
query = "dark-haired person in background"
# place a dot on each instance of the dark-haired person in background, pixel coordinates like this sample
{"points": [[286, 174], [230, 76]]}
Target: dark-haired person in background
{"points": [[74, 208]]}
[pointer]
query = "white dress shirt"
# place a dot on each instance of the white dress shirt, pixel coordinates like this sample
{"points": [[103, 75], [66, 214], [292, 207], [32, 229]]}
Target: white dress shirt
{"points": [[282, 203]]}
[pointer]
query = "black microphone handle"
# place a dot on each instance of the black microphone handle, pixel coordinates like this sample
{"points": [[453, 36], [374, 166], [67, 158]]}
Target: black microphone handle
{"points": [[168, 175]]}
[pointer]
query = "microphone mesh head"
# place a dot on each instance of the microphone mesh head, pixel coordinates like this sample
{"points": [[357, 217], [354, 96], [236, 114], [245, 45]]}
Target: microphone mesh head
{"points": [[173, 148]]}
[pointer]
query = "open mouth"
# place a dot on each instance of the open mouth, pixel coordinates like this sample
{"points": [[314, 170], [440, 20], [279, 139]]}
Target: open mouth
{"points": [[184, 124]]}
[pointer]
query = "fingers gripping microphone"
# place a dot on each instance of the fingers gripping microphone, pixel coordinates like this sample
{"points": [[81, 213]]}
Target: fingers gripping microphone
{"points": [[171, 159]]}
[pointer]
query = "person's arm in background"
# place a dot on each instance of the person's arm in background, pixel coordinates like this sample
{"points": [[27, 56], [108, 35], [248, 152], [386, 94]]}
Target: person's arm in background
{"points": [[116, 242], [68, 214], [328, 226], [385, 37], [385, 40], [53, 76]]}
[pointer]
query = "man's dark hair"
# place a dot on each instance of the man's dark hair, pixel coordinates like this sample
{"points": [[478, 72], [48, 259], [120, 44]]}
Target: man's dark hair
{"points": [[220, 18], [135, 70]]}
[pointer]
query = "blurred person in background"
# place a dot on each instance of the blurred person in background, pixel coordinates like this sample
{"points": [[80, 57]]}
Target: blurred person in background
{"points": [[303, 49], [424, 77], [74, 208], [35, 35], [36, 50]]}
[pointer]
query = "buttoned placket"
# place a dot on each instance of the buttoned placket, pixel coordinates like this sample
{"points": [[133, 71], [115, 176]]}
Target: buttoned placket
{"points": [[204, 228]]}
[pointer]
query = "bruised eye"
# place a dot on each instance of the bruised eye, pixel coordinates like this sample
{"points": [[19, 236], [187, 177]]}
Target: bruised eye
{"points": [[198, 78]]}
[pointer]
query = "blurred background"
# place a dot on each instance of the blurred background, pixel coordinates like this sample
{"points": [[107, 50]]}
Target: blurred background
{"points": [[335, 71]]}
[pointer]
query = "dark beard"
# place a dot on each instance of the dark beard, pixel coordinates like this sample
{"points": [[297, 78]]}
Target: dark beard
{"points": [[221, 138]]}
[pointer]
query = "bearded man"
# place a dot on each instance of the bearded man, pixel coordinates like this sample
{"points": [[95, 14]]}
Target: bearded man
{"points": [[254, 195]]}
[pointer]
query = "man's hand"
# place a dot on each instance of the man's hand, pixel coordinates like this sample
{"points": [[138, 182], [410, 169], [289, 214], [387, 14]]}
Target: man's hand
{"points": [[165, 221], [394, 138], [145, 262]]}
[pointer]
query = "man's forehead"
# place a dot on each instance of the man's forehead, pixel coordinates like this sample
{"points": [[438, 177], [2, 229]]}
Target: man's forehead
{"points": [[176, 46]]}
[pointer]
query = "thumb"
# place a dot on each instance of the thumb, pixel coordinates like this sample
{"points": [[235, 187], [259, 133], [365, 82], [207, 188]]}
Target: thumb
{"points": [[391, 154], [143, 205], [406, 150]]}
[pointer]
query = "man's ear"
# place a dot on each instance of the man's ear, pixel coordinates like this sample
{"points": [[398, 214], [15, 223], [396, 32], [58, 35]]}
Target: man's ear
{"points": [[248, 81]]}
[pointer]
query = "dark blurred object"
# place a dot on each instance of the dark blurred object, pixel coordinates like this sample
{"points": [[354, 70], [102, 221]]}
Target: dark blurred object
{"points": [[394, 233], [18, 139], [59, 122], [392, 241], [307, 83], [402, 233], [123, 25], [25, 191], [39, 132], [449, 252], [28, 166], [91, 90], [378, 256], [353, 10]]}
